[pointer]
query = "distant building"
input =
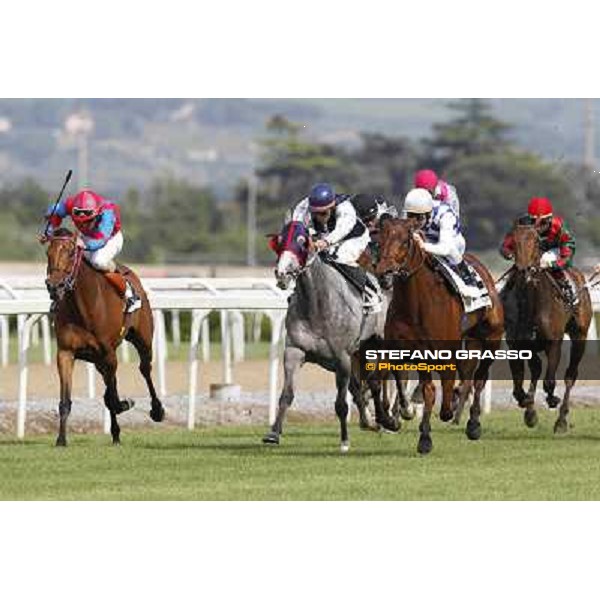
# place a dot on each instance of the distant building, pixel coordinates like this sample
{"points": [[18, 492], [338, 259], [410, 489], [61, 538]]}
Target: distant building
{"points": [[5, 125]]}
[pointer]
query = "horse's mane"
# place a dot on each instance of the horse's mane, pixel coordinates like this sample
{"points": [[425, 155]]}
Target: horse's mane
{"points": [[63, 232]]}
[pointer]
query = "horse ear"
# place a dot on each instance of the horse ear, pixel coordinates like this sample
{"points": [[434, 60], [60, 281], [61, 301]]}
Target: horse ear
{"points": [[274, 243]]}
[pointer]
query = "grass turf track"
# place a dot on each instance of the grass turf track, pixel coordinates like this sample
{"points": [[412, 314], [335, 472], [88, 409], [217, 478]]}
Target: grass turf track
{"points": [[509, 462]]}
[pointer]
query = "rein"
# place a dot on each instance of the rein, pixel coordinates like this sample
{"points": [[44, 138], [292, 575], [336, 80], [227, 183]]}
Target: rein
{"points": [[403, 270], [70, 279]]}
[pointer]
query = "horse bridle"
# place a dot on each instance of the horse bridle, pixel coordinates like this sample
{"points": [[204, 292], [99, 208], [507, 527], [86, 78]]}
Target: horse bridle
{"points": [[68, 283], [403, 270]]}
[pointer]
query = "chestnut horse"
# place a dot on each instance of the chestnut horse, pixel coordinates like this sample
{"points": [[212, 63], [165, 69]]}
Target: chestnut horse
{"points": [[90, 324], [537, 319], [424, 310]]}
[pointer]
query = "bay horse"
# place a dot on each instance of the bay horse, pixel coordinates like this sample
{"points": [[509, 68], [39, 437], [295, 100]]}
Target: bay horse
{"points": [[90, 324], [325, 324], [537, 319], [424, 310]]}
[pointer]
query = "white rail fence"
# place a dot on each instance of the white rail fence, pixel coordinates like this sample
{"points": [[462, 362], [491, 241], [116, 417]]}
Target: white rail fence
{"points": [[26, 300]]}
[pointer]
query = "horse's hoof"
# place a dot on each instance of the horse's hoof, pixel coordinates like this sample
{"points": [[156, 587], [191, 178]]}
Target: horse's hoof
{"points": [[272, 439], [157, 415], [552, 401], [116, 442], [425, 444], [446, 415], [408, 414], [388, 425], [368, 427], [561, 426], [127, 405], [60, 443], [345, 447], [473, 430], [387, 430], [530, 417], [521, 398]]}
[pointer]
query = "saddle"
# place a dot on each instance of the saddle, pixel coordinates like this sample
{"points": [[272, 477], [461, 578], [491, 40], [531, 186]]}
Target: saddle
{"points": [[473, 296], [363, 281], [121, 282]]}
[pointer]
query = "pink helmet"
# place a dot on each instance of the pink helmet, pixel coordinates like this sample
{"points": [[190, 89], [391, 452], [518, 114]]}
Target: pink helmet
{"points": [[426, 180], [85, 206]]}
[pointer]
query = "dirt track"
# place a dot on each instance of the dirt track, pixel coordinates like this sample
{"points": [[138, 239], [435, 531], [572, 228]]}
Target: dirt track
{"points": [[315, 399]]}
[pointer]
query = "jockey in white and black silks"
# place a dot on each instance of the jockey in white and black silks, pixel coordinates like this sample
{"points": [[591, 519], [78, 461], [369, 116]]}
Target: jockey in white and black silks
{"points": [[333, 220], [338, 232]]}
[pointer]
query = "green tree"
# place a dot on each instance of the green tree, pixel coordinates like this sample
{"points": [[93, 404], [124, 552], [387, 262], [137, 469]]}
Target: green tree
{"points": [[290, 165], [181, 221], [472, 132], [496, 188]]}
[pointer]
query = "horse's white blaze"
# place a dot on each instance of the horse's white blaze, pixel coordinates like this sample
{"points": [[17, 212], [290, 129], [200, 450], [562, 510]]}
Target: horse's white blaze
{"points": [[287, 263]]}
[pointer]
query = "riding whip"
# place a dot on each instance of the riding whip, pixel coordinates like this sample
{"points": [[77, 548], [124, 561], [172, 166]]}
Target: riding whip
{"points": [[62, 190]]}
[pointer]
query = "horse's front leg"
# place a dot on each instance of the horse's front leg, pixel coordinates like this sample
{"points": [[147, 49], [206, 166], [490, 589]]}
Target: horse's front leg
{"points": [[342, 380], [553, 351], [425, 444], [65, 360], [578, 342], [382, 406], [446, 412], [517, 370], [403, 405], [292, 361]]}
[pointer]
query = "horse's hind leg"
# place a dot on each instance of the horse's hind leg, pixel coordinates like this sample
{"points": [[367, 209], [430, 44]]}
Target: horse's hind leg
{"points": [[578, 343], [143, 345], [65, 360], [553, 352], [292, 361], [108, 370]]}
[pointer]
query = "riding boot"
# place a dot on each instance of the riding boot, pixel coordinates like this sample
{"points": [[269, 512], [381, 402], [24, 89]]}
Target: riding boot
{"points": [[566, 289]]}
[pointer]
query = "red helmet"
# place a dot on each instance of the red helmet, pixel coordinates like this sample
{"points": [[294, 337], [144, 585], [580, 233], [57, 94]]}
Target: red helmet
{"points": [[85, 206], [426, 180], [540, 208]]}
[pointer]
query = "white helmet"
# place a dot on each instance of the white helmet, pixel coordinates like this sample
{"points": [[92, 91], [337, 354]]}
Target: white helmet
{"points": [[418, 201]]}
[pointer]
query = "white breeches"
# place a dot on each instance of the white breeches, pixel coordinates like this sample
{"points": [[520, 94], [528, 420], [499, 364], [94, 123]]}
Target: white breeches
{"points": [[349, 251], [103, 258]]}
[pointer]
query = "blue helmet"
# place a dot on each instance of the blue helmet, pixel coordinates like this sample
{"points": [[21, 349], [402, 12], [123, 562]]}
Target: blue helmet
{"points": [[322, 197]]}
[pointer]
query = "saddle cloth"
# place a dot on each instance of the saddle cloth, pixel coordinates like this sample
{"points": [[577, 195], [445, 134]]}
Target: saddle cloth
{"points": [[474, 297]]}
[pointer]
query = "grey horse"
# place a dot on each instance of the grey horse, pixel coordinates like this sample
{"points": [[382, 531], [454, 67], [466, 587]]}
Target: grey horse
{"points": [[325, 324]]}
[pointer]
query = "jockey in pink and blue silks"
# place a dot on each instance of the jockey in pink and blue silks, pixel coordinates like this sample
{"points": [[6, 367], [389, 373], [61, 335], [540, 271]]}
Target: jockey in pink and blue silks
{"points": [[98, 221], [439, 189]]}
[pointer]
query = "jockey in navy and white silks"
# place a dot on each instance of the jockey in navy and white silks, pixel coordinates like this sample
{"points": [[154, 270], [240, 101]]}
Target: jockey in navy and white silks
{"points": [[333, 219], [441, 229]]}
